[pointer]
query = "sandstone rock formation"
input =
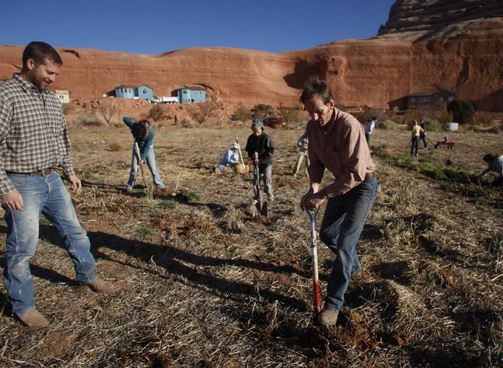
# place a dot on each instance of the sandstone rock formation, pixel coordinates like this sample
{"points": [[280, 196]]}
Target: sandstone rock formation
{"points": [[415, 52]]}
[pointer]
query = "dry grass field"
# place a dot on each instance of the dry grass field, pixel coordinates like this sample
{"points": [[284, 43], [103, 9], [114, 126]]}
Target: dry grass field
{"points": [[204, 284]]}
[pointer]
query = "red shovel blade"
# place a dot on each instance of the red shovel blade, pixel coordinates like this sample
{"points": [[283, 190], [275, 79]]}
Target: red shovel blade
{"points": [[316, 296]]}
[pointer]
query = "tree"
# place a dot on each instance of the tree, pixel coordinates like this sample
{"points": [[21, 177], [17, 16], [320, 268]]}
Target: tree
{"points": [[241, 113], [155, 113], [107, 111], [262, 110], [462, 111], [203, 111]]}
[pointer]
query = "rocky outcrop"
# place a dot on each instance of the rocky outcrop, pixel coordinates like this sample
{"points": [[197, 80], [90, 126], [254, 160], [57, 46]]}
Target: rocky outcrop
{"points": [[419, 18]]}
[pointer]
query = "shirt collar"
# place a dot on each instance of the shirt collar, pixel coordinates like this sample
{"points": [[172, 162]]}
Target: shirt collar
{"points": [[26, 85], [330, 125]]}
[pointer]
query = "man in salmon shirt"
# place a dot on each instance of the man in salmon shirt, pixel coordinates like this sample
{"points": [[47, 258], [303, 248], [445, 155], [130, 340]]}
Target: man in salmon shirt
{"points": [[337, 143]]}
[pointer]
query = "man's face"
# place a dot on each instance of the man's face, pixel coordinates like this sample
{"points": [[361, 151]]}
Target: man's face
{"points": [[318, 110], [42, 75]]}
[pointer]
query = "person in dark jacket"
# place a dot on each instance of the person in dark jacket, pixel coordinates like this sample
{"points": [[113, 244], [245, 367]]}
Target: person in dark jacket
{"points": [[143, 135], [260, 149]]}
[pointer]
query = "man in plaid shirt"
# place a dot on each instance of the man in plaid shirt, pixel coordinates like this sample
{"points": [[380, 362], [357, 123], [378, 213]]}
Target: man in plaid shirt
{"points": [[33, 142]]}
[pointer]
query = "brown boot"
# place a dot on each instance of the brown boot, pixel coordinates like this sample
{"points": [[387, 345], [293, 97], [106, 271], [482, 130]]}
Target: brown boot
{"points": [[33, 319], [328, 317], [101, 286]]}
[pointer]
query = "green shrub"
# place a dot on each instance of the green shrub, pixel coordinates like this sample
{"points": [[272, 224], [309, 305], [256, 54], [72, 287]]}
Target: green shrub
{"points": [[260, 110], [462, 111], [386, 124], [432, 125]]}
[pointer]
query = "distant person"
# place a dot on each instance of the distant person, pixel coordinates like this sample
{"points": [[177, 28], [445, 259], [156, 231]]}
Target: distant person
{"points": [[302, 146], [34, 141], [369, 128], [494, 164], [230, 159], [414, 140], [336, 143], [143, 134], [260, 149], [422, 135]]}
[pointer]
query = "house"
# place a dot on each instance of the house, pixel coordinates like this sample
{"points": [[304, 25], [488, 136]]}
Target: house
{"points": [[430, 100], [63, 96], [191, 94], [143, 91], [124, 92]]}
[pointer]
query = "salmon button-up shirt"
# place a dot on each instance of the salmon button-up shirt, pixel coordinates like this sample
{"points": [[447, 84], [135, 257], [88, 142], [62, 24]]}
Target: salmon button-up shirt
{"points": [[341, 148]]}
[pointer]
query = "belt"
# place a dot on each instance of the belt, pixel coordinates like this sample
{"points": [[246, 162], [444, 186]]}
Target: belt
{"points": [[43, 172]]}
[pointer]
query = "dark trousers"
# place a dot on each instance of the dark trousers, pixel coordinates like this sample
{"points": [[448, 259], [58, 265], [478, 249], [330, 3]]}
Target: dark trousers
{"points": [[340, 230]]}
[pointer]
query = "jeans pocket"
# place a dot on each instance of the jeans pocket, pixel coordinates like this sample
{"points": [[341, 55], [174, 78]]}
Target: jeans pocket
{"points": [[19, 180]]}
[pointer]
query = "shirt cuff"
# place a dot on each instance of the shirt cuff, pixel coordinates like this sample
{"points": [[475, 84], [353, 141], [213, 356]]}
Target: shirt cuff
{"points": [[68, 171]]}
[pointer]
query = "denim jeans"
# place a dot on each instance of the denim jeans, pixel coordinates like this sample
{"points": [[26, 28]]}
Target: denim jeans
{"points": [[340, 229], [150, 159], [46, 195], [265, 172], [414, 145]]}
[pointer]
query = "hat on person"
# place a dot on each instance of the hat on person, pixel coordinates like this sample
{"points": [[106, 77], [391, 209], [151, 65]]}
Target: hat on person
{"points": [[257, 123]]}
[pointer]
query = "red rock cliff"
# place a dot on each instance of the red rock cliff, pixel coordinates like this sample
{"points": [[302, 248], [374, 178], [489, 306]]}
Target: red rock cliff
{"points": [[464, 56]]}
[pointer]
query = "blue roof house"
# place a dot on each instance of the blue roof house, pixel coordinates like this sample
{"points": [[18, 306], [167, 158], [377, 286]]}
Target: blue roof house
{"points": [[191, 94], [144, 91]]}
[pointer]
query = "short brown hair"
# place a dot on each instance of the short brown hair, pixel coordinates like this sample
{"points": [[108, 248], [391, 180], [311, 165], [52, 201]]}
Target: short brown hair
{"points": [[40, 51], [141, 128], [316, 87]]}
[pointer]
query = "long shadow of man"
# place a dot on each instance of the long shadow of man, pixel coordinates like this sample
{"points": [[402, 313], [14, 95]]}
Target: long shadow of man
{"points": [[171, 258]]}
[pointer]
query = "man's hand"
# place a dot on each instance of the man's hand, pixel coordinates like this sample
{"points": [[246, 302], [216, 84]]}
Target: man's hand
{"points": [[312, 201], [75, 184], [13, 201]]}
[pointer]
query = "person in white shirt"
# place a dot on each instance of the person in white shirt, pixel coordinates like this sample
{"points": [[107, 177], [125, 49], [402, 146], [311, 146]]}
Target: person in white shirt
{"points": [[369, 128], [230, 159]]}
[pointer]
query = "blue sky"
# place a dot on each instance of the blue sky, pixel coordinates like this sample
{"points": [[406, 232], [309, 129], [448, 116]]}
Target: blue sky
{"points": [[156, 26]]}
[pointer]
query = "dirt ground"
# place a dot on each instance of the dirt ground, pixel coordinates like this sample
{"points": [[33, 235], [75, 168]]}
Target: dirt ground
{"points": [[204, 284]]}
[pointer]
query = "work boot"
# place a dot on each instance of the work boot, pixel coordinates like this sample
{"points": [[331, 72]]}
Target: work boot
{"points": [[328, 317], [33, 319], [101, 286]]}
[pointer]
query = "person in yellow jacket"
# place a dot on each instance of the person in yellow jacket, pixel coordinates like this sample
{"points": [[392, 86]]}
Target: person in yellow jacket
{"points": [[414, 140]]}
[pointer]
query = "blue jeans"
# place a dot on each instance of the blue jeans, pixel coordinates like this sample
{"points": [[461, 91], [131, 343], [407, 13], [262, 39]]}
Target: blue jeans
{"points": [[414, 145], [46, 195], [150, 159], [340, 229]]}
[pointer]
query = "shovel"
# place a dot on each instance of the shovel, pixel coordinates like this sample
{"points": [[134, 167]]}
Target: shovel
{"points": [[311, 215], [259, 200], [138, 157]]}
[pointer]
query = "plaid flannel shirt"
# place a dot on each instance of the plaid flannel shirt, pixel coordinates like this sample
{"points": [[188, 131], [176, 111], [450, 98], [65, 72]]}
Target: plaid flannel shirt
{"points": [[33, 131]]}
